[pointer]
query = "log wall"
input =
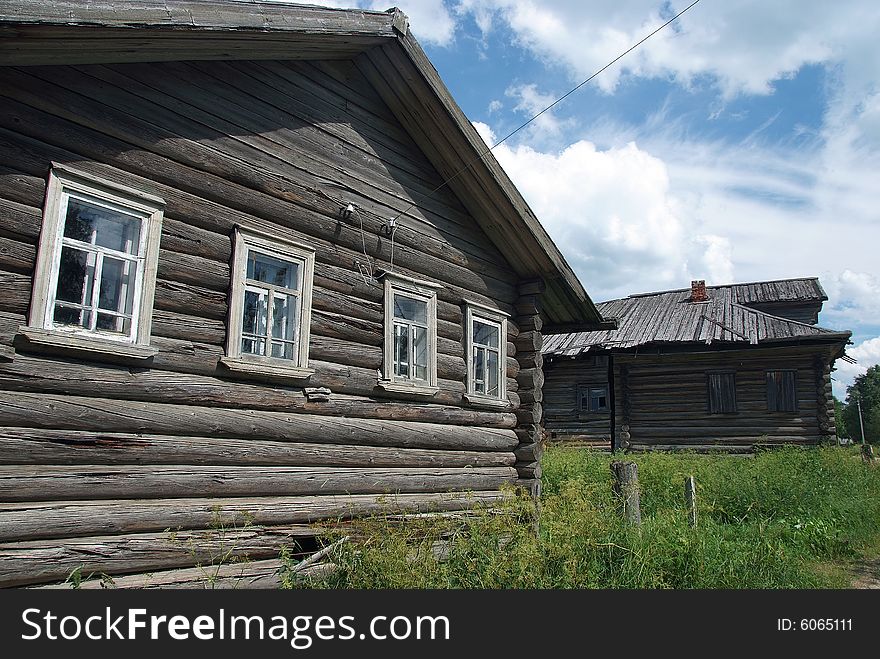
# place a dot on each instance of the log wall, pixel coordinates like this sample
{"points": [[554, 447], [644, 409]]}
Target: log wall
{"points": [[96, 455], [661, 401], [562, 419]]}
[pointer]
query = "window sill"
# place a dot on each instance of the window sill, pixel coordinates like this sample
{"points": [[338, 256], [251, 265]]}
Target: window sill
{"points": [[67, 343], [408, 388], [476, 400], [265, 368]]}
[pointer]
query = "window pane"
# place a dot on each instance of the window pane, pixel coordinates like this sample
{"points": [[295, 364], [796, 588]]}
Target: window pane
{"points": [[401, 350], [283, 350], [407, 308], [111, 229], [68, 316], [479, 370], [269, 270], [492, 371], [75, 276], [598, 399], [117, 285], [108, 323], [284, 316], [485, 334], [254, 323], [420, 353]]}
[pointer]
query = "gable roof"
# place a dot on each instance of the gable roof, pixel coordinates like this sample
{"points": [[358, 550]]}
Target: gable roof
{"points": [[667, 318], [65, 32]]}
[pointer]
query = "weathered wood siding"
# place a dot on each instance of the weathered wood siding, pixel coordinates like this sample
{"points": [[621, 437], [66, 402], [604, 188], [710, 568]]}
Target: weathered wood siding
{"points": [[662, 400], [562, 419], [91, 450]]}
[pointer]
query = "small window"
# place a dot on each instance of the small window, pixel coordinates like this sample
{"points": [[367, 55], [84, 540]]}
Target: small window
{"points": [[782, 391], [96, 269], [410, 362], [270, 306], [592, 398], [486, 338], [722, 392]]}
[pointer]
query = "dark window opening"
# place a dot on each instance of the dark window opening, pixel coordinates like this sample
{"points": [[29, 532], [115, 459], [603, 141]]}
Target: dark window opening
{"points": [[722, 392], [782, 391], [592, 399]]}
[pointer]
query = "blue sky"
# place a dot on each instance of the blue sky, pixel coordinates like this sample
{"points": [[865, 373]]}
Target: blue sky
{"points": [[744, 144]]}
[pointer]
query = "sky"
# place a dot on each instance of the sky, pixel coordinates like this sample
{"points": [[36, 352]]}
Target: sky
{"points": [[741, 143]]}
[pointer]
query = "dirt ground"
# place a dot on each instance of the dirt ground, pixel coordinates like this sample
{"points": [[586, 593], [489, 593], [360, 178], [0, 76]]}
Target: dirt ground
{"points": [[866, 574]]}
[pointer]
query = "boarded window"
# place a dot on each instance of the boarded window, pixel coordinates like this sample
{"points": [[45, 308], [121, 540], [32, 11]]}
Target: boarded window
{"points": [[592, 398], [782, 391], [722, 392]]}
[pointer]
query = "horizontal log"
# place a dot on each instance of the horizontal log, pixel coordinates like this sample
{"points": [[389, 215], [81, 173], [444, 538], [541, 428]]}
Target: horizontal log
{"points": [[513, 367], [68, 519], [182, 237], [531, 360], [528, 342], [16, 295], [643, 432], [530, 378], [195, 270], [52, 411], [71, 447], [190, 299], [174, 325], [30, 373], [18, 221], [529, 452], [531, 396], [529, 414], [32, 562], [16, 256], [248, 575], [64, 483]]}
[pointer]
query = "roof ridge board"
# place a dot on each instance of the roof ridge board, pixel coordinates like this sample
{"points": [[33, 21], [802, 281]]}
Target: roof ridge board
{"points": [[723, 286]]}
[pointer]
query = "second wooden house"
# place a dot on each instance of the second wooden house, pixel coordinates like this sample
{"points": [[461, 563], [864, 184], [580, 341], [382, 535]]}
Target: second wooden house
{"points": [[706, 368]]}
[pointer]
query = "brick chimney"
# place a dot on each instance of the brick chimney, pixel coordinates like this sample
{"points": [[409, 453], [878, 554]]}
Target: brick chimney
{"points": [[698, 291]]}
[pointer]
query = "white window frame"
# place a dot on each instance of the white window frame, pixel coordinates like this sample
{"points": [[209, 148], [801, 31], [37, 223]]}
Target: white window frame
{"points": [[245, 240], [420, 290], [41, 331], [484, 314]]}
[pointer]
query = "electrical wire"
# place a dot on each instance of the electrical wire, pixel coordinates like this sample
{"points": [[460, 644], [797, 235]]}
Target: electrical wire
{"points": [[546, 109]]}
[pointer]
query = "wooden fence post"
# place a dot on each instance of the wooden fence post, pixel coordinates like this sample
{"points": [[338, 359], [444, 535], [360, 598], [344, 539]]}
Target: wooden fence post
{"points": [[690, 494], [626, 487]]}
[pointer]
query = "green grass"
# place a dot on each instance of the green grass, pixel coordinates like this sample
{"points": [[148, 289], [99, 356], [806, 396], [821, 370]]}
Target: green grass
{"points": [[772, 521]]}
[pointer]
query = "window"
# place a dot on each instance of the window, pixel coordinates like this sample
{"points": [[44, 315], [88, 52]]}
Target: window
{"points": [[270, 306], [722, 392], [486, 338], [592, 398], [410, 362], [96, 267], [782, 391]]}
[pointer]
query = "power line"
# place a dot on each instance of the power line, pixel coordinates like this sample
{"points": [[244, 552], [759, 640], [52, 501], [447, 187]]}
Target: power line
{"points": [[549, 107]]}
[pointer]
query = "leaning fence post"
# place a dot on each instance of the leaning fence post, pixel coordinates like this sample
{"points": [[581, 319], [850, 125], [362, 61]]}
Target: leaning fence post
{"points": [[626, 487], [690, 494]]}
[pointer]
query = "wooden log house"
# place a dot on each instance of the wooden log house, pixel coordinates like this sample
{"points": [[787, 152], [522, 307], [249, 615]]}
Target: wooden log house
{"points": [[257, 270], [710, 368]]}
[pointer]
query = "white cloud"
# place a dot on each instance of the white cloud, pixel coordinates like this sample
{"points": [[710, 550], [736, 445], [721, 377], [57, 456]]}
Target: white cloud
{"points": [[745, 45], [614, 216], [866, 354]]}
